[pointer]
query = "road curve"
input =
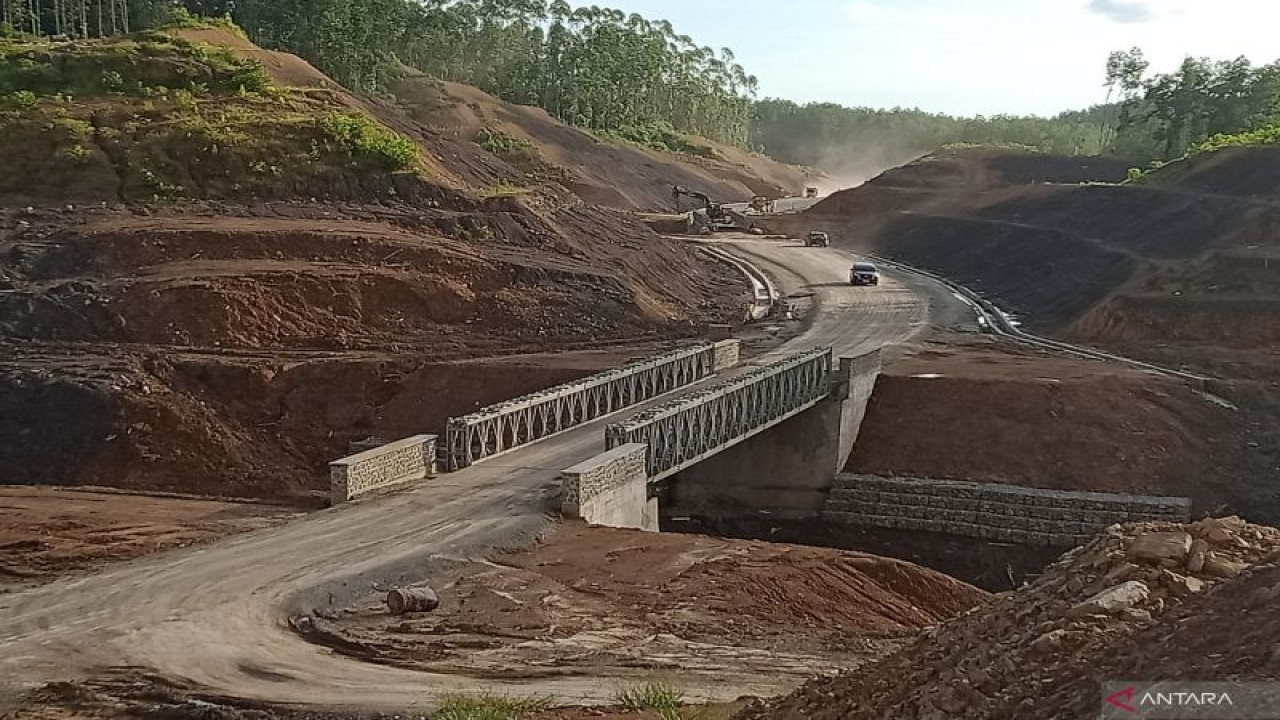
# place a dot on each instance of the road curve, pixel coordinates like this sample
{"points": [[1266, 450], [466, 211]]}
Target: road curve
{"points": [[217, 616]]}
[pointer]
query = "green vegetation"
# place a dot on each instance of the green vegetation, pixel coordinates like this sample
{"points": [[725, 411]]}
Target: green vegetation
{"points": [[504, 145], [658, 697], [1261, 136], [505, 190], [819, 134], [144, 64], [658, 136], [370, 143], [598, 68], [624, 77], [489, 707], [1168, 116], [150, 117]]}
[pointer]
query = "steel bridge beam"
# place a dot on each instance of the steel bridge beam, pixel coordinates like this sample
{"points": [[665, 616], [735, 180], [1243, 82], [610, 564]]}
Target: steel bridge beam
{"points": [[686, 431], [506, 426]]}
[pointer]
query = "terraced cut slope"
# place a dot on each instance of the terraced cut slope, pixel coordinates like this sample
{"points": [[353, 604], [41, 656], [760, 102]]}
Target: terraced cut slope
{"points": [[221, 268], [1180, 269]]}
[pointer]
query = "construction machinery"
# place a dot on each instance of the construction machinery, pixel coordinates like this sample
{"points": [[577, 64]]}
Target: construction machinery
{"points": [[811, 192], [762, 204], [817, 238], [714, 209]]}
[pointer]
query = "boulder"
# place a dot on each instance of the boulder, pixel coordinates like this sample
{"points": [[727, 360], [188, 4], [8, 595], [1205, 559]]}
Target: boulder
{"points": [[1113, 600], [1196, 557], [1158, 547], [1048, 643], [1181, 585], [1219, 530], [1223, 568]]}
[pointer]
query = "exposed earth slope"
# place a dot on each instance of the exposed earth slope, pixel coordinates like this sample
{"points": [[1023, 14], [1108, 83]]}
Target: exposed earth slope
{"points": [[270, 267], [1175, 270], [1149, 601], [605, 171]]}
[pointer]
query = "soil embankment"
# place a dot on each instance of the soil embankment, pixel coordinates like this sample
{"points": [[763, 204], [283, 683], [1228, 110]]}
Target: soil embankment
{"points": [[1145, 601], [616, 603]]}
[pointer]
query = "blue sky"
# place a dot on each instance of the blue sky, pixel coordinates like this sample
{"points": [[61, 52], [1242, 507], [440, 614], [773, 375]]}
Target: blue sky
{"points": [[963, 56]]}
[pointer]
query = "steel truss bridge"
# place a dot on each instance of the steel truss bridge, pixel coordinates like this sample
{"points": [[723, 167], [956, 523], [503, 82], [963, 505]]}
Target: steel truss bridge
{"points": [[697, 426], [500, 428]]}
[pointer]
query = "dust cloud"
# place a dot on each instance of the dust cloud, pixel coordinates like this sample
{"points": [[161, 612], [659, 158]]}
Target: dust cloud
{"points": [[848, 165]]}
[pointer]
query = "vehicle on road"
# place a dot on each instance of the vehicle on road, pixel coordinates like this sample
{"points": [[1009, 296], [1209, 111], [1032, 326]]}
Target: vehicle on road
{"points": [[864, 273], [817, 238]]}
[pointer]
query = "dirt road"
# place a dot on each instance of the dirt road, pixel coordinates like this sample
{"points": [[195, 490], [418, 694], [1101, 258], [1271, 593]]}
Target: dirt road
{"points": [[217, 616]]}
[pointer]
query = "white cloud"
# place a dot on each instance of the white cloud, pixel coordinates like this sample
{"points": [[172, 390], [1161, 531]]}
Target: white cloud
{"points": [[1123, 11]]}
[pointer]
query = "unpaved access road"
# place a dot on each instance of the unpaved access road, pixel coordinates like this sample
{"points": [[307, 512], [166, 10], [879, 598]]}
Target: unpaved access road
{"points": [[218, 616]]}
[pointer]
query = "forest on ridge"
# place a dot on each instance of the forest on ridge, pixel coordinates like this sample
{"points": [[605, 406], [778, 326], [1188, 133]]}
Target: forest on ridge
{"points": [[640, 79]]}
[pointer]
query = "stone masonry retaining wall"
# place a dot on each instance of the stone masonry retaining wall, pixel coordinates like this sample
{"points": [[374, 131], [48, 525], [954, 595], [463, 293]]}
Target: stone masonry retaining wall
{"points": [[728, 354], [1005, 513], [382, 468], [609, 489]]}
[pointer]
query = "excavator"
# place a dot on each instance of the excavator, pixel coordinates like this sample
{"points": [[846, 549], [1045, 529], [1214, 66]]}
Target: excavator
{"points": [[715, 210]]}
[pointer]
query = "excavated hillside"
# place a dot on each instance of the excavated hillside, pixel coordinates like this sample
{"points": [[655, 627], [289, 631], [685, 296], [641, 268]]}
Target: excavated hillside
{"points": [[1175, 270], [220, 268], [600, 170], [1162, 601]]}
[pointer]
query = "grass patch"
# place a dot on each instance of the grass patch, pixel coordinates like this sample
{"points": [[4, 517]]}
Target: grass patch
{"points": [[145, 64], [490, 707], [369, 142], [657, 136], [503, 189], [503, 145], [658, 697]]}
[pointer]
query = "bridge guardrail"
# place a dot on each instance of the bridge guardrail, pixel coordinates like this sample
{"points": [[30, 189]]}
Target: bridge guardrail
{"points": [[503, 427], [687, 430]]}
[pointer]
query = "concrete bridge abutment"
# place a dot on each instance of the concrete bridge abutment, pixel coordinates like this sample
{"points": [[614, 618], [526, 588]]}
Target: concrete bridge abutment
{"points": [[787, 470]]}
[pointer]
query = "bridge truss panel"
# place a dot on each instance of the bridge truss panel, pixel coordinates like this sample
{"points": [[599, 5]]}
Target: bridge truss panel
{"points": [[686, 431], [503, 427]]}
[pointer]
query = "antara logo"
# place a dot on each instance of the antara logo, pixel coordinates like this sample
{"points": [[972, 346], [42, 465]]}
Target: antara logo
{"points": [[1123, 699], [1186, 699], [1128, 699]]}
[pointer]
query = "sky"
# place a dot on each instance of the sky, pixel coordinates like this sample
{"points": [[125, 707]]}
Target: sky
{"points": [[964, 57]]}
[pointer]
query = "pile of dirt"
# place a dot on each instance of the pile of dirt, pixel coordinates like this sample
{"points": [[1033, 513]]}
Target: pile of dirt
{"points": [[615, 602], [1141, 601], [986, 413]]}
